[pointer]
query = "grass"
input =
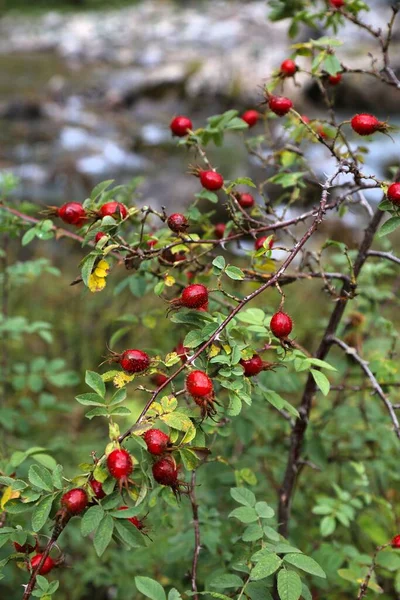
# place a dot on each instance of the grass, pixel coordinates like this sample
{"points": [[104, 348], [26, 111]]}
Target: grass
{"points": [[35, 6]]}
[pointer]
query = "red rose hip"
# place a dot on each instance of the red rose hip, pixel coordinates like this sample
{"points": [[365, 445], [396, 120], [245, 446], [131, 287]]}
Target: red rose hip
{"points": [[245, 200], [119, 463], [393, 193], [281, 325], [180, 125], [99, 235], [24, 548], [75, 501], [156, 440], [165, 471], [288, 68], [280, 105], [113, 209], [365, 124], [134, 361], [335, 79], [250, 117], [211, 180], [396, 541], [46, 567], [252, 366], [134, 520], [194, 296], [72, 213], [219, 230], [337, 3], [199, 384], [259, 243], [97, 489], [177, 222]]}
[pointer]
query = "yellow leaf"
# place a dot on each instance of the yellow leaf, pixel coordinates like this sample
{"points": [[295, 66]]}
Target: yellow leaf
{"points": [[9, 494], [171, 359], [267, 266], [157, 408], [214, 350], [189, 435], [96, 284], [169, 403], [121, 379], [169, 281], [227, 348], [100, 272], [103, 264]]}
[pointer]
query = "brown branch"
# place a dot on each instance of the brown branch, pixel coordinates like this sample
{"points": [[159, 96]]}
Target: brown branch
{"points": [[364, 586], [385, 255], [293, 466], [375, 385], [197, 541]]}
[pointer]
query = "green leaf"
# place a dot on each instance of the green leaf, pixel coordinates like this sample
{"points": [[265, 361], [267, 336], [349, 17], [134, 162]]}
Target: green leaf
{"points": [[245, 514], [174, 594], [327, 525], [41, 513], [243, 496], [177, 420], [252, 533], [103, 534], [87, 266], [97, 412], [189, 459], [234, 273], [389, 226], [91, 519], [332, 65], [206, 195], [40, 477], [90, 399], [289, 585], [150, 588], [95, 381], [120, 410], [129, 533], [320, 363], [118, 397], [227, 581], [16, 484], [305, 563], [322, 381], [265, 567], [219, 262], [100, 188], [264, 511], [28, 236]]}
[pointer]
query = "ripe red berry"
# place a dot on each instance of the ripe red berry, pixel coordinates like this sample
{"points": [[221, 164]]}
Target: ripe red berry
{"points": [[250, 117], [365, 124], [75, 501], [72, 213], [99, 235], [165, 471], [252, 366], [393, 193], [46, 567], [280, 105], [152, 242], [157, 441], [335, 79], [259, 243], [159, 379], [134, 520], [288, 68], [219, 230], [181, 351], [134, 361], [180, 125], [24, 548], [194, 296], [119, 463], [245, 200], [97, 488], [281, 325], [177, 222], [337, 3], [113, 209], [170, 257], [396, 541], [211, 180], [199, 384]]}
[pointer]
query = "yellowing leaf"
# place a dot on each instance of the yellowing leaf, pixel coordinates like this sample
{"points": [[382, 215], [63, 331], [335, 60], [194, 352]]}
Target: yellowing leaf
{"points": [[171, 359], [169, 403], [121, 379], [103, 264], [227, 348], [96, 284], [267, 266], [9, 494], [169, 281], [214, 350], [100, 272]]}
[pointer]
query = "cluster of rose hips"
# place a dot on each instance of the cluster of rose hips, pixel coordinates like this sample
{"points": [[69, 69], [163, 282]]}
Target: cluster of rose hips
{"points": [[73, 213]]}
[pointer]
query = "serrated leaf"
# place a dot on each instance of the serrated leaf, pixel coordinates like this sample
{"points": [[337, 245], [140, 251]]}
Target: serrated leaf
{"points": [[87, 266], [189, 459], [90, 399], [120, 410], [100, 188], [118, 397], [243, 496], [95, 381], [91, 519], [226, 581], [289, 585], [103, 535], [129, 533], [97, 412], [177, 420], [305, 563], [219, 262], [234, 273], [322, 381], [245, 514], [264, 510], [150, 588], [252, 533], [389, 227], [40, 477], [265, 567], [41, 513]]}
